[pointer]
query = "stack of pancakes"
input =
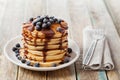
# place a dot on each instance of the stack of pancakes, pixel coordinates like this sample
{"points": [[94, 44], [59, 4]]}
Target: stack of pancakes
{"points": [[48, 46]]}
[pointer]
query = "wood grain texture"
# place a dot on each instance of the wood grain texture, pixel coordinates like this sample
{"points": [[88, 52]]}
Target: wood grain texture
{"points": [[80, 19], [114, 11], [78, 14], [8, 27], [102, 19]]}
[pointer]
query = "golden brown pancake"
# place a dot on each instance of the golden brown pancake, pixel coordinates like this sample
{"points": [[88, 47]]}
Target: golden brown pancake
{"points": [[44, 42]]}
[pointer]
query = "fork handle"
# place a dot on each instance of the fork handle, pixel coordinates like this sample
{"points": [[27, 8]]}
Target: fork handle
{"points": [[90, 52]]}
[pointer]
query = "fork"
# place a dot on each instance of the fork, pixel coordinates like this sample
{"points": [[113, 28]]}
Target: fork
{"points": [[97, 35]]}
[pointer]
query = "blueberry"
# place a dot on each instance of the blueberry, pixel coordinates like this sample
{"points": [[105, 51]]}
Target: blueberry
{"points": [[51, 17], [19, 57], [66, 60], [14, 49], [38, 16], [55, 19], [17, 51], [45, 20], [59, 29], [48, 23], [31, 19], [28, 63], [39, 23], [17, 54], [38, 28], [54, 65], [23, 60], [36, 65], [41, 19], [60, 20], [47, 17], [69, 50], [17, 45], [35, 21], [51, 20], [44, 26]]}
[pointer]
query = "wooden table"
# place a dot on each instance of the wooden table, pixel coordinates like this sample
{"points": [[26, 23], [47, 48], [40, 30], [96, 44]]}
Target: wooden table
{"points": [[103, 14]]}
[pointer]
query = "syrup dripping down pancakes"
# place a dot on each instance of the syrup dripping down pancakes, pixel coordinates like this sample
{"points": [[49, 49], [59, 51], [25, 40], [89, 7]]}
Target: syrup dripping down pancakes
{"points": [[45, 41]]}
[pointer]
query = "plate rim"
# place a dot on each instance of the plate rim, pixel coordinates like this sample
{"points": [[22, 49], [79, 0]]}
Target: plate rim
{"points": [[40, 68]]}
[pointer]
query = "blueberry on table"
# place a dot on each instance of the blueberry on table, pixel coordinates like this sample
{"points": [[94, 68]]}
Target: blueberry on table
{"points": [[23, 60], [14, 49], [36, 65], [69, 50], [17, 45], [28, 63]]}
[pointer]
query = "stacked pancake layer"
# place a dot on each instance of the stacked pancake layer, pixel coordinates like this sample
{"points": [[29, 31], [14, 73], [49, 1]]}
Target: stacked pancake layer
{"points": [[47, 47]]}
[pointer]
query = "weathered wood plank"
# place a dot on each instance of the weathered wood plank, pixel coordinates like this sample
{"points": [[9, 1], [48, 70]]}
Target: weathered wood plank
{"points": [[80, 19], [8, 29], [32, 9], [114, 11], [59, 8], [102, 19]]}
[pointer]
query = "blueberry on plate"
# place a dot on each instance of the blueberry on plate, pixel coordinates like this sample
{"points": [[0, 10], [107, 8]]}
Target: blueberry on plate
{"points": [[36, 65], [66, 60], [17, 54], [19, 57], [23, 60], [14, 49], [17, 45], [17, 51], [69, 50], [28, 63], [54, 65]]}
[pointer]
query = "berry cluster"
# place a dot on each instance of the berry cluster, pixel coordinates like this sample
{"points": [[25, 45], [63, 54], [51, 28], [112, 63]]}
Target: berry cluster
{"points": [[44, 22]]}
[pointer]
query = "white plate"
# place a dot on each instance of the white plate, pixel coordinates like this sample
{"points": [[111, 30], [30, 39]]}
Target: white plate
{"points": [[11, 55]]}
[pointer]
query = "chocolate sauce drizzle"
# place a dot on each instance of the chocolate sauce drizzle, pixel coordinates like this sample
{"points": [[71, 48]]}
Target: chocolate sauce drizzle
{"points": [[49, 33]]}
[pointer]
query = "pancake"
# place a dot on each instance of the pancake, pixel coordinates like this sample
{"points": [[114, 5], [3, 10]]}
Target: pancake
{"points": [[45, 41]]}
